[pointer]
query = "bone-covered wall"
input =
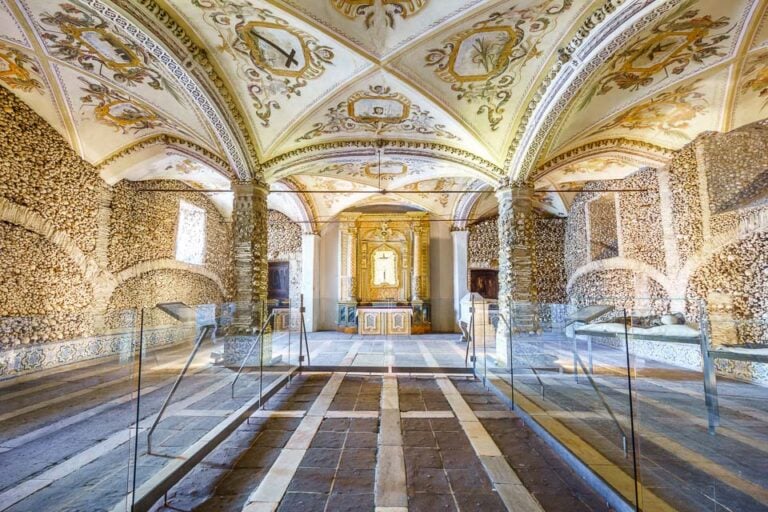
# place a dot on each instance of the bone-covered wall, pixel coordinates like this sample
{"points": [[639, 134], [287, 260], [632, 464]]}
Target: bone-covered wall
{"points": [[73, 249]]}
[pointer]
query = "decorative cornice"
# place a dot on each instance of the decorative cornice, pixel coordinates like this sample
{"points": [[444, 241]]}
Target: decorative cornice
{"points": [[188, 50], [565, 55], [619, 144], [168, 140], [417, 148]]}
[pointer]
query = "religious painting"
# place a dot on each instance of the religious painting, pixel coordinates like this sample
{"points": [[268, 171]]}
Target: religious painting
{"points": [[278, 280], [276, 48], [368, 108], [384, 263], [484, 282], [75, 33]]}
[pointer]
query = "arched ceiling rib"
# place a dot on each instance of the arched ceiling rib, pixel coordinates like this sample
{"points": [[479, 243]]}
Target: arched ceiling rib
{"points": [[458, 92]]}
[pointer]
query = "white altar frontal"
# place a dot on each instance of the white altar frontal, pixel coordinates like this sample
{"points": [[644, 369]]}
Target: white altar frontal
{"points": [[384, 321]]}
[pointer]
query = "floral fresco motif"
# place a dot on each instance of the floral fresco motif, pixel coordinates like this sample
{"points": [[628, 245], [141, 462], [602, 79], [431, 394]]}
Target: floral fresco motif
{"points": [[670, 112], [376, 11], [377, 111], [19, 71], [427, 189], [683, 37], [594, 166], [281, 59], [756, 77], [118, 111], [75, 34], [483, 62], [390, 170]]}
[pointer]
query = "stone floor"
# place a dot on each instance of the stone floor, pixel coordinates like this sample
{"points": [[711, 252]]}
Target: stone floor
{"points": [[341, 465], [66, 445]]}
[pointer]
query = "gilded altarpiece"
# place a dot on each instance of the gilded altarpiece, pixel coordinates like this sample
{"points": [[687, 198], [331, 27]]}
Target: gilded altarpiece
{"points": [[384, 274]]}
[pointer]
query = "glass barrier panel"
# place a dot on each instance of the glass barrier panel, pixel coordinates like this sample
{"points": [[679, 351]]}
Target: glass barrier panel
{"points": [[700, 404], [67, 403], [569, 379], [202, 368]]}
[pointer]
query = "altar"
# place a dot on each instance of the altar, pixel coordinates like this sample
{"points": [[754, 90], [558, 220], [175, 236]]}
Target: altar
{"points": [[384, 274]]}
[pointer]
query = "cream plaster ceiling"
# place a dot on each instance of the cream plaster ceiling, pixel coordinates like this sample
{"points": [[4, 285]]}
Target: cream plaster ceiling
{"points": [[458, 92]]}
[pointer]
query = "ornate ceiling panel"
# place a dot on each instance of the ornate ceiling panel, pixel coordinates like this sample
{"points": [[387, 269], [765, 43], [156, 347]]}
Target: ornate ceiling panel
{"points": [[669, 118], [381, 27], [277, 65], [484, 68], [381, 107], [93, 82], [666, 84]]}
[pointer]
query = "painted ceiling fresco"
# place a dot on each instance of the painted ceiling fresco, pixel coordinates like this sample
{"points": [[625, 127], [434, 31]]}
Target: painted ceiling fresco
{"points": [[100, 89], [305, 91]]}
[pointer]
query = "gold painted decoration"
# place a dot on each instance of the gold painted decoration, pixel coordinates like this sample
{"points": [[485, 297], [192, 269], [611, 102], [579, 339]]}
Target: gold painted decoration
{"points": [[669, 112], [19, 71], [376, 11], [681, 38], [378, 111], [118, 111], [483, 62], [281, 59], [74, 33], [755, 77]]}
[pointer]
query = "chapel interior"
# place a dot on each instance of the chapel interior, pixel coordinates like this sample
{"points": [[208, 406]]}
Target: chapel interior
{"points": [[383, 255]]}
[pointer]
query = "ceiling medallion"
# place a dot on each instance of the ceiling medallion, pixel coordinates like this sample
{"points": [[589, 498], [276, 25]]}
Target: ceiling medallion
{"points": [[80, 35], [374, 11], [681, 38], [120, 112], [377, 111], [387, 171], [281, 59], [482, 62], [17, 69]]}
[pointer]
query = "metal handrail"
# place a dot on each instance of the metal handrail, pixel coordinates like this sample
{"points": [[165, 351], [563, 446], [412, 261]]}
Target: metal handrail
{"points": [[259, 341], [205, 329]]}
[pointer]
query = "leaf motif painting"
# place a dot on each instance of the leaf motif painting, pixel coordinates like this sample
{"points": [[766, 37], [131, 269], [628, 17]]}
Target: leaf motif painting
{"points": [[482, 63]]}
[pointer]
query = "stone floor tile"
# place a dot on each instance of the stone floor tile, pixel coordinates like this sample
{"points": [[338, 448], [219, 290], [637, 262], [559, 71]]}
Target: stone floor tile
{"points": [[303, 502], [354, 481], [468, 481], [419, 438], [488, 502], [422, 458], [351, 503], [328, 440], [358, 458], [431, 503], [317, 480], [361, 440], [321, 458], [427, 480]]}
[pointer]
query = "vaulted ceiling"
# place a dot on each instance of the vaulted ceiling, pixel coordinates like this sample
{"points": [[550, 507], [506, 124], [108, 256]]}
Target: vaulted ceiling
{"points": [[421, 98]]}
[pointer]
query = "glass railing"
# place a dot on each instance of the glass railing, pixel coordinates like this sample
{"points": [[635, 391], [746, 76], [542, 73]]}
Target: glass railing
{"points": [[204, 371], [668, 409], [67, 405]]}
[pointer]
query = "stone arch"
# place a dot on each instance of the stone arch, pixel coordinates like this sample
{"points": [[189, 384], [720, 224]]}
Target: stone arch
{"points": [[166, 264], [32, 221], [631, 265]]}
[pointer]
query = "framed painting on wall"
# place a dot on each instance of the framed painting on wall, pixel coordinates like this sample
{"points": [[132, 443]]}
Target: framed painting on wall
{"points": [[278, 280], [485, 282]]}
